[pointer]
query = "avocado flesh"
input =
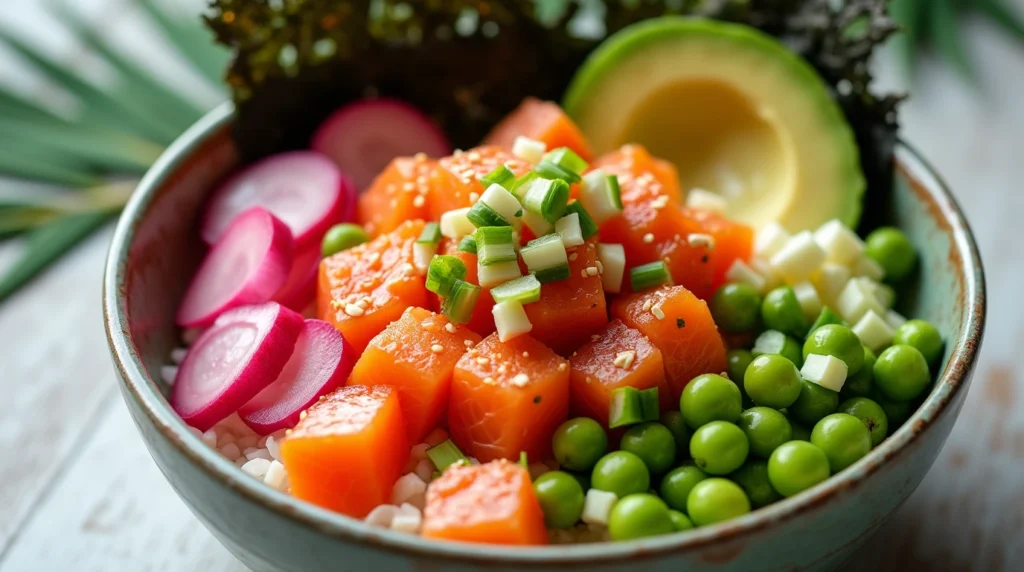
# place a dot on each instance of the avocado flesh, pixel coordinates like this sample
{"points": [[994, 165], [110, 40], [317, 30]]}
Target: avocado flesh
{"points": [[734, 110]]}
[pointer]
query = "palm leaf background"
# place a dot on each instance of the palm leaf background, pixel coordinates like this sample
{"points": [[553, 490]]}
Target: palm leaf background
{"points": [[118, 129]]}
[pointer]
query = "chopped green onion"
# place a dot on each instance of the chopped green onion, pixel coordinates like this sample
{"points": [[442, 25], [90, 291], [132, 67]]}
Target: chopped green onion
{"points": [[524, 462], [545, 252], [455, 224], [461, 300], [614, 191], [444, 270], [568, 227], [467, 244], [481, 214], [494, 244], [536, 223], [431, 234], [422, 254], [446, 454], [553, 274], [546, 197], [525, 290], [502, 202], [587, 225], [649, 407], [550, 170], [625, 408], [522, 183], [649, 275], [501, 175], [497, 274], [567, 159], [601, 196]]}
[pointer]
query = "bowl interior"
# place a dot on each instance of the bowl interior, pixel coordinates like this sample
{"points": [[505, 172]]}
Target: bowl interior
{"points": [[156, 249]]}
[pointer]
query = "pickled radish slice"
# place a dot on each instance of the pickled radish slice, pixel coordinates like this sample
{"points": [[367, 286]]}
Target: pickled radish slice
{"points": [[299, 289], [362, 138], [306, 190], [320, 362], [248, 265], [243, 352]]}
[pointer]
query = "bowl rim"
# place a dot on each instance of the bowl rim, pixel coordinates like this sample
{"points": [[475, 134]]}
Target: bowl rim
{"points": [[138, 385]]}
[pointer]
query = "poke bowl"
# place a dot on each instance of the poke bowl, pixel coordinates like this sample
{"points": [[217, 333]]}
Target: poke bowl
{"points": [[535, 354]]}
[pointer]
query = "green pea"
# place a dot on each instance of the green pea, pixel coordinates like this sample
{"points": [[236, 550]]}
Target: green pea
{"points": [[737, 361], [781, 311], [796, 466], [680, 521], [890, 248], [342, 237], [735, 307], [716, 500], [765, 429], [871, 415], [772, 380], [839, 341], [923, 336], [710, 397], [863, 382], [826, 317], [653, 443], [680, 432], [622, 473], [814, 403], [753, 478], [896, 411], [561, 498], [677, 484], [578, 443], [719, 447], [901, 372], [774, 342], [843, 438], [639, 516]]}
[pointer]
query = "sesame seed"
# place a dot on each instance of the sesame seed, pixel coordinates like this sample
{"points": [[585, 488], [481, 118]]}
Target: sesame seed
{"points": [[391, 188], [591, 270], [573, 257], [354, 310], [468, 343], [520, 380], [647, 305], [423, 190], [421, 180], [502, 369], [362, 304], [450, 327], [649, 238], [457, 153], [489, 380], [437, 348], [583, 273], [336, 304], [420, 157], [393, 203], [698, 240], [562, 366], [368, 300], [526, 354], [623, 360], [302, 414], [658, 312], [660, 202], [473, 156], [418, 201], [600, 267], [595, 337], [482, 361]]}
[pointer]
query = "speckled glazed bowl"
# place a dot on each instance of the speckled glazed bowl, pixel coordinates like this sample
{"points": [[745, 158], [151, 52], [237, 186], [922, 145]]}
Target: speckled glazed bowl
{"points": [[156, 248]]}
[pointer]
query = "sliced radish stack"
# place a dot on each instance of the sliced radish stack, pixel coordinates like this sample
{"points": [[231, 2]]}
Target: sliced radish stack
{"points": [[300, 288], [321, 361], [248, 265], [242, 353], [304, 189], [362, 138]]}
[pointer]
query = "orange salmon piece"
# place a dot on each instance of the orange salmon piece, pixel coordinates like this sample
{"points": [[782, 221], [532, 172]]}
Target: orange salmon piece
{"points": [[416, 355], [348, 450], [455, 181], [492, 503], [733, 241], [680, 325], [507, 398], [543, 121], [594, 375], [363, 289], [398, 194]]}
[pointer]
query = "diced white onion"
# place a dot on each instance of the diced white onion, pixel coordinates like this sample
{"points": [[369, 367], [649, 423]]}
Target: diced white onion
{"points": [[826, 371], [594, 195], [529, 150], [407, 522], [495, 274], [568, 227], [799, 258], [809, 300], [537, 224], [740, 273], [546, 255], [873, 331], [704, 200], [886, 295], [830, 280], [613, 259], [770, 239], [597, 506], [841, 245], [772, 280], [455, 224], [510, 320], [857, 299]]}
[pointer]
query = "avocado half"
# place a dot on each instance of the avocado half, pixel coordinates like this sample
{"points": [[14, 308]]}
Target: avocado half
{"points": [[736, 111]]}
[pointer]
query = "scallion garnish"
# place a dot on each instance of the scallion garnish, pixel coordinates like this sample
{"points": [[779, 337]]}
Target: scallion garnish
{"points": [[481, 214], [525, 290], [624, 408], [650, 410], [467, 244], [502, 202], [649, 275], [524, 461], [501, 175], [587, 225], [497, 274], [545, 256], [553, 274], [550, 170], [547, 198], [461, 300], [446, 454], [494, 244], [431, 234], [443, 271], [567, 159], [601, 196], [568, 227]]}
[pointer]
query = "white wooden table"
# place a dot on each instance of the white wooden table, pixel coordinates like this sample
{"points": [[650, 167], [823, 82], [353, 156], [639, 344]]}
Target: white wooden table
{"points": [[78, 490]]}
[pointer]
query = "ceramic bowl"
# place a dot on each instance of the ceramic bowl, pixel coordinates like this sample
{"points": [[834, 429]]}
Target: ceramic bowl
{"points": [[156, 248]]}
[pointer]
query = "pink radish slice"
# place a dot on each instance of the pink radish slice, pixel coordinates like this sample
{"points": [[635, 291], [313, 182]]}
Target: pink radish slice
{"points": [[300, 288], [362, 138], [242, 353], [248, 265], [304, 189], [321, 361]]}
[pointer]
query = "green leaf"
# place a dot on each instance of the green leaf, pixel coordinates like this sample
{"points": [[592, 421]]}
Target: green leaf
{"points": [[105, 150], [194, 41], [137, 83], [1002, 15], [32, 163], [46, 244], [947, 37]]}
